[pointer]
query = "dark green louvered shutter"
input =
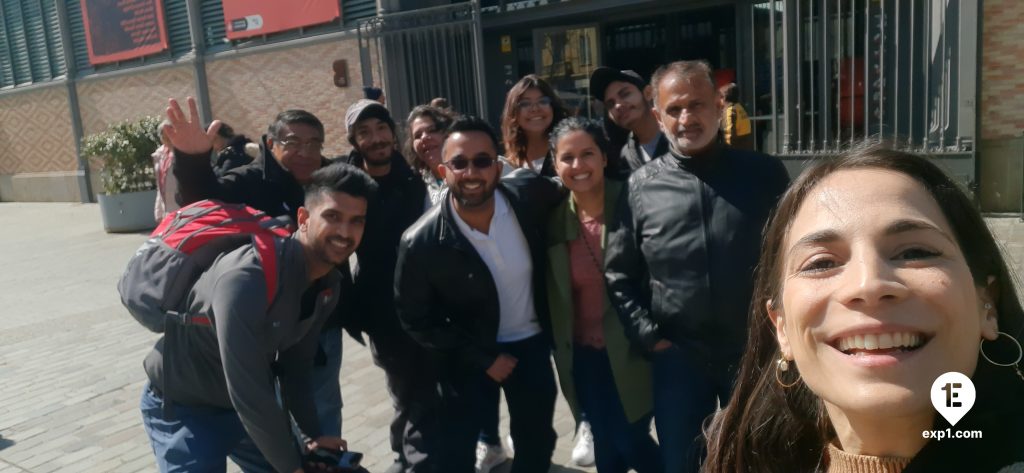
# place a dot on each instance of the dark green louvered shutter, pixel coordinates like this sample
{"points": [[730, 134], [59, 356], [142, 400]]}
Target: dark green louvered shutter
{"points": [[6, 70], [355, 10], [76, 28], [212, 13], [54, 47], [30, 42], [176, 20], [14, 24], [178, 37]]}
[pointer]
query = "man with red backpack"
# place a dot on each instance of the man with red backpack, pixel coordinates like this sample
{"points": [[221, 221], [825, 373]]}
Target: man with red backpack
{"points": [[211, 391], [289, 154]]}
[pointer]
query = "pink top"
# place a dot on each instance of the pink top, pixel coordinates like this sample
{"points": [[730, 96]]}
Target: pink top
{"points": [[587, 275]]}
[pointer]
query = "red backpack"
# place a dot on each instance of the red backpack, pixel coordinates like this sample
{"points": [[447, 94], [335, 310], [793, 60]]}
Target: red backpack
{"points": [[160, 275]]}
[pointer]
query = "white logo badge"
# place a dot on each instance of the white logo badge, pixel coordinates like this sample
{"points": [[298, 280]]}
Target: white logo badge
{"points": [[953, 396]]}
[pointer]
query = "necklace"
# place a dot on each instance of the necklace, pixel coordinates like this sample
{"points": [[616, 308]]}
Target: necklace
{"points": [[586, 243]]}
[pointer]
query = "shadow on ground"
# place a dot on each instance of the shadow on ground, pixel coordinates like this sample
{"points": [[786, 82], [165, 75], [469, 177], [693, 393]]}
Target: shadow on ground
{"points": [[4, 443], [507, 466]]}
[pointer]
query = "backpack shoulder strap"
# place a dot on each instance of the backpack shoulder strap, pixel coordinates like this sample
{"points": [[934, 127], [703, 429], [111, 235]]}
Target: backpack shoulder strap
{"points": [[267, 252]]}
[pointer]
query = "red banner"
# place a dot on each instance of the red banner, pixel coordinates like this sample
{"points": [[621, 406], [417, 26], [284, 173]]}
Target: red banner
{"points": [[117, 30], [245, 18]]}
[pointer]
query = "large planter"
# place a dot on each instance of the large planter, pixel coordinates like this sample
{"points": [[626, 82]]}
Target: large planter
{"points": [[129, 212]]}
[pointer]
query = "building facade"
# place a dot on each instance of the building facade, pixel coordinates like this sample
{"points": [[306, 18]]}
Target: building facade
{"points": [[942, 77], [51, 95], [939, 77]]}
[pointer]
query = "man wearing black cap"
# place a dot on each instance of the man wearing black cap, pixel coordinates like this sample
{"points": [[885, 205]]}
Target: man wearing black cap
{"points": [[400, 201], [627, 98]]}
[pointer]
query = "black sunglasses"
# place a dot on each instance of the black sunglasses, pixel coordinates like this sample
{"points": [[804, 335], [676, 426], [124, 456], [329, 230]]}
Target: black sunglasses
{"points": [[479, 162]]}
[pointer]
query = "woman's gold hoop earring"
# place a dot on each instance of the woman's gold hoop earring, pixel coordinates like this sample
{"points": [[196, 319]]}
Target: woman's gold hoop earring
{"points": [[1014, 363], [782, 364]]}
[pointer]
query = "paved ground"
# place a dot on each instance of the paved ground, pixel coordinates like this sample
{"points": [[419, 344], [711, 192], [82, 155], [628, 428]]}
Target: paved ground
{"points": [[71, 358]]}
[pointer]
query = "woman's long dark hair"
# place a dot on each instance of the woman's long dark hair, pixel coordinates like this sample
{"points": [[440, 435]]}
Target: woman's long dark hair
{"points": [[513, 136], [768, 428]]}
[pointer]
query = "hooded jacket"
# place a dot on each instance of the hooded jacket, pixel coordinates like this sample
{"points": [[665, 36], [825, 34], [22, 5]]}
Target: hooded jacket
{"points": [[233, 363]]}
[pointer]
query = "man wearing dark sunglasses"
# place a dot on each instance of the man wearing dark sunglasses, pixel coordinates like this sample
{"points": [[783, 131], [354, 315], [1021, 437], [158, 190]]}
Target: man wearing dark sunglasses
{"points": [[469, 288]]}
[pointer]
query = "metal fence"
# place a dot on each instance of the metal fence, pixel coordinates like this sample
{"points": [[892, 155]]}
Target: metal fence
{"points": [[826, 74], [427, 53]]}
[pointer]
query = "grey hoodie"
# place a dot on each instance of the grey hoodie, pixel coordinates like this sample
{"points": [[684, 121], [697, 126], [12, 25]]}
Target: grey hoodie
{"points": [[232, 364]]}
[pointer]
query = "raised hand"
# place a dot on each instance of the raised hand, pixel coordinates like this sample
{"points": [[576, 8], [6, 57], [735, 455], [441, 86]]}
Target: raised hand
{"points": [[187, 134]]}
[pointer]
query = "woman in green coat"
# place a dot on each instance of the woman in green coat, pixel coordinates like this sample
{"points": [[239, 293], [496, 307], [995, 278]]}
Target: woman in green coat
{"points": [[599, 374]]}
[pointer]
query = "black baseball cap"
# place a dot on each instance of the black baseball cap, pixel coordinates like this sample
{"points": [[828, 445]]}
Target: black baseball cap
{"points": [[602, 77]]}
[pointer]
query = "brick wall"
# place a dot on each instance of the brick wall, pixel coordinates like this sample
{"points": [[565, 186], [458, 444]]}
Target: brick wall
{"points": [[1002, 69], [248, 91], [127, 97], [35, 132]]}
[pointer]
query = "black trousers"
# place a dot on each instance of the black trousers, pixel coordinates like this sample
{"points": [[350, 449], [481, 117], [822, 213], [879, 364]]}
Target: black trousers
{"points": [[412, 385], [530, 392]]}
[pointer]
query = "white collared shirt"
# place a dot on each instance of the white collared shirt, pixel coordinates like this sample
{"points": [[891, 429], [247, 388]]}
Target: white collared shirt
{"points": [[506, 254]]}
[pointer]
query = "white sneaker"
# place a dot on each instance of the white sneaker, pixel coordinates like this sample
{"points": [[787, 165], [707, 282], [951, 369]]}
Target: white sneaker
{"points": [[488, 457], [583, 452], [511, 449]]}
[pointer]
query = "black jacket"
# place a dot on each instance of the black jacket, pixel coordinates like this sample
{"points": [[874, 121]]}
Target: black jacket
{"points": [[400, 200], [262, 184], [683, 246], [446, 298], [633, 157], [232, 156]]}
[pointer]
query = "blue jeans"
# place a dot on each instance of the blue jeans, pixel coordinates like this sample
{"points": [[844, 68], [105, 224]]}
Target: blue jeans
{"points": [[326, 384], [186, 438], [618, 444], [684, 396]]}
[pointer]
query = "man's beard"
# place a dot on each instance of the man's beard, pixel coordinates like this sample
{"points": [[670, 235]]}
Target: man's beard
{"points": [[479, 200], [374, 156], [326, 253]]}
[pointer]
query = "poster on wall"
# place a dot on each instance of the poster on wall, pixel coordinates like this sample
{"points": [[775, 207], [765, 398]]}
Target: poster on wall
{"points": [[246, 18], [118, 30]]}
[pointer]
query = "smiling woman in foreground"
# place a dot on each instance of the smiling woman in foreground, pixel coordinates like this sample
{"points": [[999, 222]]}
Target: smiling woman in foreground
{"points": [[877, 275]]}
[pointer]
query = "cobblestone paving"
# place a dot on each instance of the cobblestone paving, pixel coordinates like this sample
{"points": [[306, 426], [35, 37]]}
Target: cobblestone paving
{"points": [[71, 359]]}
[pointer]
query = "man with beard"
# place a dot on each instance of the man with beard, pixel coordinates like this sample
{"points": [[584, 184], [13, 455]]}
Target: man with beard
{"points": [[211, 390], [399, 202], [627, 99], [290, 153], [681, 254], [469, 288]]}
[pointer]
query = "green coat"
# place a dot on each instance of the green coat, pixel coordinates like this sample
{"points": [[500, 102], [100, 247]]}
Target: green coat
{"points": [[631, 371]]}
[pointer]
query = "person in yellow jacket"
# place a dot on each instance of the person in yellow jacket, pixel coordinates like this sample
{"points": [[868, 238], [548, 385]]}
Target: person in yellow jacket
{"points": [[736, 127]]}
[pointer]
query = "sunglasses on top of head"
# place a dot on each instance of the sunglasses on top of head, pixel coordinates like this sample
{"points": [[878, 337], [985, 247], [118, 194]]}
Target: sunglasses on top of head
{"points": [[479, 162]]}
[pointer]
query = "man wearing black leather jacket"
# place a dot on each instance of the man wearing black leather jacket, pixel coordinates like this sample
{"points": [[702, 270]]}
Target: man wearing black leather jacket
{"points": [[681, 256], [469, 288]]}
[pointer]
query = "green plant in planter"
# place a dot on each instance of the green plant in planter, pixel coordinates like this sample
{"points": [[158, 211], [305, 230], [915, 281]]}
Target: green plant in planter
{"points": [[124, 152]]}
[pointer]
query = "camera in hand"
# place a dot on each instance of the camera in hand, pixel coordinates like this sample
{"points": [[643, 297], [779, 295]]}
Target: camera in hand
{"points": [[343, 461]]}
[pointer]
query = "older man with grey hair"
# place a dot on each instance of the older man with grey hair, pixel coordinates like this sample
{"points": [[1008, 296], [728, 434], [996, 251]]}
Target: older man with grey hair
{"points": [[681, 254]]}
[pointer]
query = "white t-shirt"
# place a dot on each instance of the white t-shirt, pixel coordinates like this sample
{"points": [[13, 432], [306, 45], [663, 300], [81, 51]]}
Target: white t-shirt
{"points": [[507, 256]]}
